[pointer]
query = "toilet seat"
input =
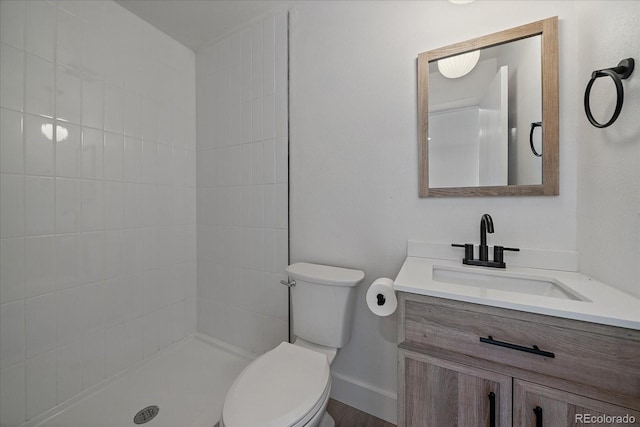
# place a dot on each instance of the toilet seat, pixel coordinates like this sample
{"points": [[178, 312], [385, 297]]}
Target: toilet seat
{"points": [[286, 386]]}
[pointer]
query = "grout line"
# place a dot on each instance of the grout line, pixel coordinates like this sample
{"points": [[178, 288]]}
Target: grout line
{"points": [[24, 198], [54, 110]]}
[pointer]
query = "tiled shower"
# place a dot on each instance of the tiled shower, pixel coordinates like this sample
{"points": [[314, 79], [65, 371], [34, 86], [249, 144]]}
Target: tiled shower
{"points": [[98, 198], [242, 181]]}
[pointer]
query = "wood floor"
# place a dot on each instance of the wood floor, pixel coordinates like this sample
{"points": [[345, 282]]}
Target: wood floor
{"points": [[346, 416]]}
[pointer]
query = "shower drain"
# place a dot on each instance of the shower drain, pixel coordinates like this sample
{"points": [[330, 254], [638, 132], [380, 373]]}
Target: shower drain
{"points": [[145, 415]]}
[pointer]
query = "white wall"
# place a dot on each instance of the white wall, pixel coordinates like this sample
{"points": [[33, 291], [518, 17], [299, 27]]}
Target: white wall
{"points": [[609, 159], [242, 175], [354, 176], [97, 230]]}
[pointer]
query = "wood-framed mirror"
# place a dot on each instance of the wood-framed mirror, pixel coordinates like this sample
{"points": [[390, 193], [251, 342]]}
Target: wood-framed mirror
{"points": [[488, 115]]}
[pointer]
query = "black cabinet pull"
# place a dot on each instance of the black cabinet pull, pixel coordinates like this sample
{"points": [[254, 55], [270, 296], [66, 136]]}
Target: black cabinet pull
{"points": [[492, 409], [538, 411], [533, 350]]}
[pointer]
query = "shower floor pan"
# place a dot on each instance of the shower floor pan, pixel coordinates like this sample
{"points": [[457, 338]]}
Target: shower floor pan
{"points": [[187, 382]]}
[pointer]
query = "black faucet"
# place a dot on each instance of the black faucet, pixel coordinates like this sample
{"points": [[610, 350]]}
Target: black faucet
{"points": [[486, 226]]}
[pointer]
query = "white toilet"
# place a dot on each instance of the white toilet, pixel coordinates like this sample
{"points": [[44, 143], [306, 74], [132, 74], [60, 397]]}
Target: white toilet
{"points": [[289, 386]]}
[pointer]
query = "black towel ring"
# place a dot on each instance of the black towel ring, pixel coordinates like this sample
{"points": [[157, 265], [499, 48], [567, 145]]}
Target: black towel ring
{"points": [[617, 74], [533, 126]]}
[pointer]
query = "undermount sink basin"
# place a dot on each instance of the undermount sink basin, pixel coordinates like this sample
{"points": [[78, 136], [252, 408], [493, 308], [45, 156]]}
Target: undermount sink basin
{"points": [[505, 281]]}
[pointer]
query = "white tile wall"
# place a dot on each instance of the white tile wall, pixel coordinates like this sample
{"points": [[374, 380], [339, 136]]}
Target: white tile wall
{"points": [[242, 186], [12, 393], [97, 198], [12, 69]]}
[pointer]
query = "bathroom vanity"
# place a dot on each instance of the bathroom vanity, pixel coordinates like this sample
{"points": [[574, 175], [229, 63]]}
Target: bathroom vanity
{"points": [[476, 349]]}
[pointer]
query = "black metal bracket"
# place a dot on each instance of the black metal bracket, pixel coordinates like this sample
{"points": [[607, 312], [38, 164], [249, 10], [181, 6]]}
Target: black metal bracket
{"points": [[534, 125], [617, 74], [533, 350]]}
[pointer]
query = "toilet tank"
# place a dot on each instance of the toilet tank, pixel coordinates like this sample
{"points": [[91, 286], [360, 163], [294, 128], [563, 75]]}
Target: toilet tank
{"points": [[323, 302]]}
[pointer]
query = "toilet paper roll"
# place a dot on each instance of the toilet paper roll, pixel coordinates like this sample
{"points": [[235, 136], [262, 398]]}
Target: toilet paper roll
{"points": [[381, 298]]}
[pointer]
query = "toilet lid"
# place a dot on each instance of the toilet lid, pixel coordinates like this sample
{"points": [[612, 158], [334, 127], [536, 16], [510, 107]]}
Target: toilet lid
{"points": [[277, 389]]}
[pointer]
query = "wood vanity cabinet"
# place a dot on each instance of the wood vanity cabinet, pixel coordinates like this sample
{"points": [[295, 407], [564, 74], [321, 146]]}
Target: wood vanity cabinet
{"points": [[528, 369], [558, 408], [463, 396]]}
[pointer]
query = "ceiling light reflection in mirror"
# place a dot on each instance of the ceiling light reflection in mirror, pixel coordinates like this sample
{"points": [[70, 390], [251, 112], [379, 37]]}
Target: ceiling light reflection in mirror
{"points": [[460, 65]]}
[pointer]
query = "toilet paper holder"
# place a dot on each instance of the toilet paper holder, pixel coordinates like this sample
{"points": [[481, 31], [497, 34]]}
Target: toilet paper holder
{"points": [[381, 298]]}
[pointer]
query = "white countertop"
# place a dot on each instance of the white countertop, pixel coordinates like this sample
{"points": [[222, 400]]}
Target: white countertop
{"points": [[603, 304]]}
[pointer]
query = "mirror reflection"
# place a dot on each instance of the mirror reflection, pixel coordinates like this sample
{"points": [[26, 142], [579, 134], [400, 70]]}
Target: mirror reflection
{"points": [[485, 109], [488, 115]]}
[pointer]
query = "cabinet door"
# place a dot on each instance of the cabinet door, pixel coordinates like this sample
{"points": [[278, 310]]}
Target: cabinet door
{"points": [[539, 406], [437, 393]]}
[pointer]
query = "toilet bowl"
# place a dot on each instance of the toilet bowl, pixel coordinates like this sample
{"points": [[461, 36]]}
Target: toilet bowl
{"points": [[289, 386], [286, 387]]}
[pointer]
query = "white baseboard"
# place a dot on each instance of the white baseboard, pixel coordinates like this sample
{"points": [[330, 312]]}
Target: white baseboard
{"points": [[365, 397]]}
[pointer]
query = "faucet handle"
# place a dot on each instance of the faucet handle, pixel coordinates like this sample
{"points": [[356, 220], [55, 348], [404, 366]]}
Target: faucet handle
{"points": [[498, 252], [468, 249]]}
